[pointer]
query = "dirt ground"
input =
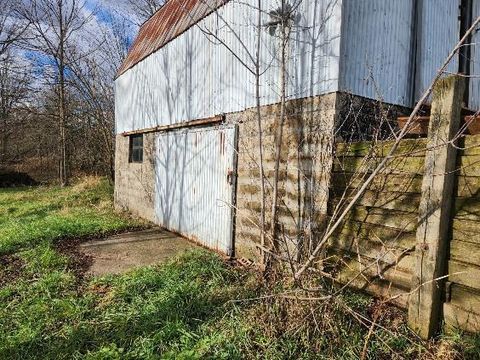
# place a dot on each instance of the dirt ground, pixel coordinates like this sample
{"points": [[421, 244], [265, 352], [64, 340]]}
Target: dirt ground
{"points": [[120, 253]]}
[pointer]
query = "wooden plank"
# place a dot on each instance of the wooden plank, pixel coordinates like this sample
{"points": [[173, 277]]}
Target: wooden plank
{"points": [[471, 145], [464, 274], [469, 166], [466, 252], [435, 207], [407, 202], [468, 187], [465, 298], [413, 147], [466, 230], [406, 183], [410, 165], [400, 274], [467, 209], [458, 318], [377, 233], [200, 122], [379, 288], [387, 253], [390, 218]]}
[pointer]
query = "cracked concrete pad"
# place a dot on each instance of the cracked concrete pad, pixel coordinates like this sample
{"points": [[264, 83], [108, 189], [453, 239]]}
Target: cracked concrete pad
{"points": [[120, 253]]}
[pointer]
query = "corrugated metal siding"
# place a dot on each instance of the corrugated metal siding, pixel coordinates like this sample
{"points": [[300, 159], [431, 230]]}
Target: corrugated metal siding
{"points": [[171, 20], [315, 49], [438, 33], [192, 193], [474, 95], [376, 49], [195, 77]]}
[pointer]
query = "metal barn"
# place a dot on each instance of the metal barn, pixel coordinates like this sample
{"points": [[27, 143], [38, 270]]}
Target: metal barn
{"points": [[187, 85]]}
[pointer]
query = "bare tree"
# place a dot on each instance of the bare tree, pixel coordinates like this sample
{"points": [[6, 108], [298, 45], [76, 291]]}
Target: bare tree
{"points": [[55, 25], [14, 89], [282, 19], [144, 9], [92, 81], [13, 77], [11, 29]]}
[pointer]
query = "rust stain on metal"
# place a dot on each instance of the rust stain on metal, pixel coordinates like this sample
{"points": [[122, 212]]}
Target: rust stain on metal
{"points": [[170, 21]]}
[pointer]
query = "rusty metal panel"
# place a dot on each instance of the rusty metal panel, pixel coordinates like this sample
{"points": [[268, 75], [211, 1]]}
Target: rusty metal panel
{"points": [[438, 31], [171, 20], [376, 51], [194, 184], [195, 76], [474, 86]]}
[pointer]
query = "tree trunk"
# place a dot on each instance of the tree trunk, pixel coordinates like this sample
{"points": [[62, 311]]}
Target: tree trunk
{"points": [[279, 130], [3, 157], [63, 175], [260, 135]]}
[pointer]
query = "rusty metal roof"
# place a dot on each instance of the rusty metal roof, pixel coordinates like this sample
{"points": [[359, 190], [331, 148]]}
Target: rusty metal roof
{"points": [[171, 20]]}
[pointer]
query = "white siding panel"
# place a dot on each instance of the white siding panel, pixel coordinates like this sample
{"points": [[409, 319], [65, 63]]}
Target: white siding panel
{"points": [[438, 33], [474, 95], [195, 76], [315, 49], [377, 49], [193, 195]]}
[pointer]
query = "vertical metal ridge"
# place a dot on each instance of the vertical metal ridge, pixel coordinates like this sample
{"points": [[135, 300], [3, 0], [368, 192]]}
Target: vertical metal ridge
{"points": [[376, 49], [192, 194], [195, 77]]}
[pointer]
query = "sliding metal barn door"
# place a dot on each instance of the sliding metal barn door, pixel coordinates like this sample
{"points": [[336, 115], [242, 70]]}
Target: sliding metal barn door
{"points": [[195, 184]]}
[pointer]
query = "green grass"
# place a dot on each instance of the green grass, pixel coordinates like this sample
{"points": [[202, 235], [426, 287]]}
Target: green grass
{"points": [[29, 216], [196, 306]]}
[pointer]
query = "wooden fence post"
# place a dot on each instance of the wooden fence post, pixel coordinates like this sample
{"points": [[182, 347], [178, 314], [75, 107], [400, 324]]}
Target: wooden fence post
{"points": [[425, 300]]}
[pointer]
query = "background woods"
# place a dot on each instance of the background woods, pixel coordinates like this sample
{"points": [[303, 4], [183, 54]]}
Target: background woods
{"points": [[58, 60]]}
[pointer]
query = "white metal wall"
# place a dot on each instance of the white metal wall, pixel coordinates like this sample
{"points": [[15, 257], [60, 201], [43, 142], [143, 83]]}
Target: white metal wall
{"points": [[474, 94], [365, 47], [376, 50], [193, 194], [391, 48], [438, 33], [195, 76]]}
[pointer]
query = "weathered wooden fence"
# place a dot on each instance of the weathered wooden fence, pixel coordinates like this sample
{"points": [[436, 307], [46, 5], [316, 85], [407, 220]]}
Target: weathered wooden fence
{"points": [[462, 306], [377, 239], [414, 235]]}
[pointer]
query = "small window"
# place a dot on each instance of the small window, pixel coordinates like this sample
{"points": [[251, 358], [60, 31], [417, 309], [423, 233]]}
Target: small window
{"points": [[136, 149]]}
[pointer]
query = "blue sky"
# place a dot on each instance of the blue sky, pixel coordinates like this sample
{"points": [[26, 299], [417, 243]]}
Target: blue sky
{"points": [[106, 12]]}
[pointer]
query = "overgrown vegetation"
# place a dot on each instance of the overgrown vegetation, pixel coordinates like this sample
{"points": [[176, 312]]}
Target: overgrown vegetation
{"points": [[196, 306]]}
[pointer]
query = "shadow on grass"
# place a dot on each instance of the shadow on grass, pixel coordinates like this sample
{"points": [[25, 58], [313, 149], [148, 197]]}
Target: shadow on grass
{"points": [[147, 312]]}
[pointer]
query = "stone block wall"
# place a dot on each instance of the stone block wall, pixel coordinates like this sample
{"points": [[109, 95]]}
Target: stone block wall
{"points": [[134, 182], [305, 162]]}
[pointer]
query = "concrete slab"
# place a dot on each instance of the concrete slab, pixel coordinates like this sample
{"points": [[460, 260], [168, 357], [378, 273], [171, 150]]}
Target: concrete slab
{"points": [[120, 253]]}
